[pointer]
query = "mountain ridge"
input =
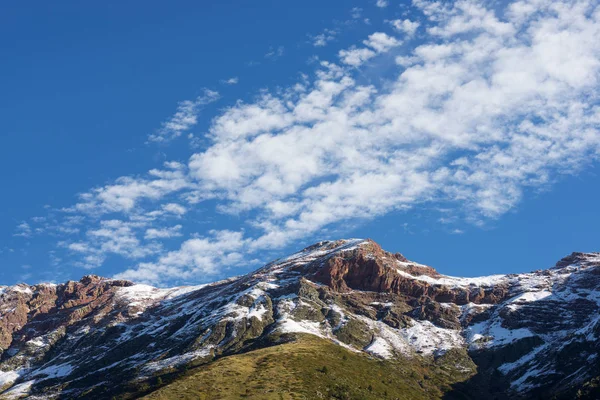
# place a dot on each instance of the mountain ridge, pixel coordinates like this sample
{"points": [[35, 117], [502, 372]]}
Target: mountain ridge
{"points": [[573, 258], [101, 337]]}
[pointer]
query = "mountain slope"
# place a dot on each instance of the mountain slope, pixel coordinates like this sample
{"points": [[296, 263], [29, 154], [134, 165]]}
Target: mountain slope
{"points": [[532, 334], [312, 368]]}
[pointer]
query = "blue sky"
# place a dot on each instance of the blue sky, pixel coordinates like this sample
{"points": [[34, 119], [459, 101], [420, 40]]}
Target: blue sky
{"points": [[184, 142]]}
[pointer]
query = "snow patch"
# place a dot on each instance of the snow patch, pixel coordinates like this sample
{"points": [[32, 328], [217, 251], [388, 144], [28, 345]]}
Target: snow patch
{"points": [[20, 390], [55, 371], [137, 294], [484, 334], [427, 338], [380, 347], [22, 289], [176, 361], [451, 281], [531, 296], [288, 325], [8, 378]]}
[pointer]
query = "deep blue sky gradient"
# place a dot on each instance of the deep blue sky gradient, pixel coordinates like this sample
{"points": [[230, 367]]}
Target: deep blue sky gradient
{"points": [[84, 83]]}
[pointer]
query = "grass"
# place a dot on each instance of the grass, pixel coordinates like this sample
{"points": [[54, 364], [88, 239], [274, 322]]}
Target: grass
{"points": [[314, 368]]}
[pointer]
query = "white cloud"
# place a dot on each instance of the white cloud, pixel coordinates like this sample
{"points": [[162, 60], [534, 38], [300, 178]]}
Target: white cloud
{"points": [[377, 43], [185, 118], [356, 57], [475, 117], [322, 39], [356, 12], [475, 120], [165, 210], [275, 52], [176, 209], [196, 259], [231, 81], [112, 237], [125, 194], [381, 42], [468, 16], [405, 26], [163, 233], [381, 3], [23, 230]]}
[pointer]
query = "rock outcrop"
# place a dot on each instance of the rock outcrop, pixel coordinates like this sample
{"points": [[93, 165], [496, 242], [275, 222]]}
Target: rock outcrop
{"points": [[28, 310], [369, 268], [531, 335]]}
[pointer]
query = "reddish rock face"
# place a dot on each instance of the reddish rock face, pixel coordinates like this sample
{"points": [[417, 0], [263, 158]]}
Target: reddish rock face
{"points": [[28, 310], [579, 258], [370, 268], [66, 338]]}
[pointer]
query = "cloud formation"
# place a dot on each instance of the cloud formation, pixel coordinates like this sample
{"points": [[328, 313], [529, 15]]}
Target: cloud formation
{"points": [[112, 237], [376, 44], [405, 26], [163, 233], [489, 104], [185, 117], [231, 81], [275, 52], [124, 195], [196, 258], [323, 38], [23, 230]]}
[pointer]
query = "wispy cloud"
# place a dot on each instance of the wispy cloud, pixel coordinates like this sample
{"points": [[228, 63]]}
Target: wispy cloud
{"points": [[490, 103], [275, 52], [184, 118], [197, 257], [163, 233], [113, 237], [377, 43], [323, 38], [126, 192], [23, 230], [381, 3], [231, 81], [356, 12], [405, 26]]}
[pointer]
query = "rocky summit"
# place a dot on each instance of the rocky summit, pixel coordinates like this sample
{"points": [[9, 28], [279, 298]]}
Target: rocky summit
{"points": [[343, 319]]}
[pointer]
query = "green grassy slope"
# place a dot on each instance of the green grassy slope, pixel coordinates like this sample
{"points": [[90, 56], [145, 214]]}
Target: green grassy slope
{"points": [[313, 368]]}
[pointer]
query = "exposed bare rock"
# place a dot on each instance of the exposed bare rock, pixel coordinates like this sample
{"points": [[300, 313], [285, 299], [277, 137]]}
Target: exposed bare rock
{"points": [[526, 332], [45, 307], [369, 268]]}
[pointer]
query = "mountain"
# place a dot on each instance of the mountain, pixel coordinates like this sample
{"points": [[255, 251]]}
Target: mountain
{"points": [[338, 320]]}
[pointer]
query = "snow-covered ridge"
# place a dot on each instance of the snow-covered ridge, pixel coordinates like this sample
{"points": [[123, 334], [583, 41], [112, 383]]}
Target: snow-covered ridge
{"points": [[453, 281], [318, 250], [170, 328]]}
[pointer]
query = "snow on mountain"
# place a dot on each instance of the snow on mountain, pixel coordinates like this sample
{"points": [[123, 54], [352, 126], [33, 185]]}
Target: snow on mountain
{"points": [[62, 340]]}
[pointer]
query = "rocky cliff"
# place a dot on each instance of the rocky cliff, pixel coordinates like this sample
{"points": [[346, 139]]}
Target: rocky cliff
{"points": [[508, 336]]}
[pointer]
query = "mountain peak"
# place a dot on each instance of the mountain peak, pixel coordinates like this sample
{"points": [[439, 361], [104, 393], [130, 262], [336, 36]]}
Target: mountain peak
{"points": [[579, 259], [58, 341]]}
